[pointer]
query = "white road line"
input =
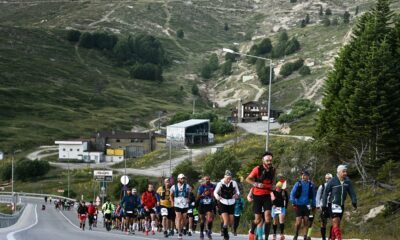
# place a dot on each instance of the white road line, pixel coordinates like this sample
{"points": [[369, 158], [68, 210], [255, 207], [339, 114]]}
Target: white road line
{"points": [[10, 236], [69, 220]]}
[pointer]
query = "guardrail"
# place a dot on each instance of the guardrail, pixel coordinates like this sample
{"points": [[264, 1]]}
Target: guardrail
{"points": [[25, 194], [7, 220]]}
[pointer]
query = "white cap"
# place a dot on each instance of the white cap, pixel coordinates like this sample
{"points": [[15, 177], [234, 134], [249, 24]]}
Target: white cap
{"points": [[180, 176], [133, 189], [341, 168]]}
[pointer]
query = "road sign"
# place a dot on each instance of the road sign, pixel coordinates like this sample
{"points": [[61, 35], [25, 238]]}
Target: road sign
{"points": [[124, 180], [103, 175]]}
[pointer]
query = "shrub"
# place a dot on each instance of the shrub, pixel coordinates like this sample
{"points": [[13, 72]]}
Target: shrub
{"points": [[73, 35], [289, 68], [195, 89], [216, 164], [103, 40], [292, 46], [26, 169], [326, 22], [206, 71], [186, 167], [346, 17], [264, 47], [147, 71], [86, 40], [221, 127], [226, 68], [304, 70], [180, 34], [328, 12]]}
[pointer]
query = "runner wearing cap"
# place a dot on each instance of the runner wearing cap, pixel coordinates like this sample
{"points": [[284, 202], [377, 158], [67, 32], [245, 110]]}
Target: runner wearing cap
{"points": [[302, 198], [226, 192], [179, 197], [335, 195], [205, 195], [262, 178]]}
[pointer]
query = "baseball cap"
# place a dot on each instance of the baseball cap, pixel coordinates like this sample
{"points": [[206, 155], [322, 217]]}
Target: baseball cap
{"points": [[133, 189], [305, 172], [180, 176]]}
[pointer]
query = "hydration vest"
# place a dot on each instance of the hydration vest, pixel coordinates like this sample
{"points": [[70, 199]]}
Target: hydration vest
{"points": [[185, 192], [227, 192], [299, 189], [265, 177]]}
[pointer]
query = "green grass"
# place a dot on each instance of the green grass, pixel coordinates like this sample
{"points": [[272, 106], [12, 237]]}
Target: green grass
{"points": [[304, 126]]}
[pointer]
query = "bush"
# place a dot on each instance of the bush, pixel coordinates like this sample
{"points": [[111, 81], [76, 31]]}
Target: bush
{"points": [[264, 47], [283, 36], [263, 72], [186, 167], [334, 22], [304, 70], [226, 68], [73, 35], [180, 34], [147, 71], [221, 127], [289, 68], [292, 46], [216, 164], [206, 71], [213, 62], [5, 171], [346, 17], [26, 169], [86, 40], [328, 12], [103, 40], [195, 89]]}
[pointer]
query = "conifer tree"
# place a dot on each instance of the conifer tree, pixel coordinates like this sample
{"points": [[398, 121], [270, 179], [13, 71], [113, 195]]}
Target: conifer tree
{"points": [[362, 93]]}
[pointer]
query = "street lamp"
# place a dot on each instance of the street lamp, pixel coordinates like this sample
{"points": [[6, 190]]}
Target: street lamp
{"points": [[12, 177], [269, 87]]}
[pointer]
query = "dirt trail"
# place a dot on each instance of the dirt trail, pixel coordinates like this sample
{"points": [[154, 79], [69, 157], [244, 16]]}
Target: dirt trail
{"points": [[167, 28], [106, 17]]}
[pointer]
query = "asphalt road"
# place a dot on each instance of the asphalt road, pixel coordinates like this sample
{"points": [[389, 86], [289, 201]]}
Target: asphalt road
{"points": [[52, 224]]}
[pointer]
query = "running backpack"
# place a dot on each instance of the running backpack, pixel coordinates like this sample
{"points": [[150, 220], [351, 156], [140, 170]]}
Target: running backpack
{"points": [[299, 189], [184, 190], [263, 174], [91, 210]]}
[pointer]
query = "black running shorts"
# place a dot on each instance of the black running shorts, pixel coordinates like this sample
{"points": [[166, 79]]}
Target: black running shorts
{"points": [[260, 203]]}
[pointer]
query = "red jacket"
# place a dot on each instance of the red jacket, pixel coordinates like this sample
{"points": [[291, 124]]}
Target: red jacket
{"points": [[149, 199]]}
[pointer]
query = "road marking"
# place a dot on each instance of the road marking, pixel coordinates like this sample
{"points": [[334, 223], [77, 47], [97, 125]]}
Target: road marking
{"points": [[69, 220], [10, 236]]}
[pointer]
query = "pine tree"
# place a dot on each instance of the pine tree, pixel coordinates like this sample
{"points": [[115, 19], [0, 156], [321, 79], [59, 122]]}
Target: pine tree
{"points": [[362, 93]]}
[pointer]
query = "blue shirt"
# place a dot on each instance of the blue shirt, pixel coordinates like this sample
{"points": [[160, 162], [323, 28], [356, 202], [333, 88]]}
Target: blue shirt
{"points": [[304, 196]]}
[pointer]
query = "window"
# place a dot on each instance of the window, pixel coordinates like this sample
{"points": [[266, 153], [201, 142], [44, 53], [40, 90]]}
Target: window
{"points": [[64, 149], [118, 140], [70, 149], [77, 149]]}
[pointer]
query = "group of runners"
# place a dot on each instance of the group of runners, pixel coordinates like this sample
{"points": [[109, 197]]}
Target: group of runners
{"points": [[176, 209]]}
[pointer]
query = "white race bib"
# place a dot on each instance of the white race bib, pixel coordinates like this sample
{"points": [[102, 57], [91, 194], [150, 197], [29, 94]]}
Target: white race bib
{"points": [[129, 211], [190, 210], [164, 212], [196, 218], [309, 207], [278, 210], [336, 208], [206, 200]]}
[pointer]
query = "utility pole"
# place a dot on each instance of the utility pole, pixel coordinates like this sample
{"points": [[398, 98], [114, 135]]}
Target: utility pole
{"points": [[194, 104]]}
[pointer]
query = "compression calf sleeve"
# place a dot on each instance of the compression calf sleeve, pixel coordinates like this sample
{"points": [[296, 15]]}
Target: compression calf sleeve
{"points": [[267, 227], [282, 228], [274, 227], [202, 227], [323, 232]]}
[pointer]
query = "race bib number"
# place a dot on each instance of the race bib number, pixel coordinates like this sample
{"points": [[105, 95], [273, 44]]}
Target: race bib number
{"points": [[336, 208], [83, 215], [129, 211], [190, 210], [164, 212], [196, 218], [278, 210], [309, 207], [207, 201]]}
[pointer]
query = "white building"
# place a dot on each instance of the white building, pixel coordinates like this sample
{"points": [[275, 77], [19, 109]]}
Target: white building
{"points": [[78, 150], [193, 131]]}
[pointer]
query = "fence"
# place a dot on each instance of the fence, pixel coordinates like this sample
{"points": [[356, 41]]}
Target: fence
{"points": [[7, 220]]}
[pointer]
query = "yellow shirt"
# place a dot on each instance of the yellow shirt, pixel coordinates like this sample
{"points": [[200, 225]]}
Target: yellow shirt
{"points": [[164, 197]]}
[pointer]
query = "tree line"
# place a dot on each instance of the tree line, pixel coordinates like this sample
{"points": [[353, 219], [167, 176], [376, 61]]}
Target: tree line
{"points": [[143, 53]]}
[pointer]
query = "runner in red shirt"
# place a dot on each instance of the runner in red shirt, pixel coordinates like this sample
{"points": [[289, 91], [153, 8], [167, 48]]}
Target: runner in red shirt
{"points": [[149, 202], [262, 178]]}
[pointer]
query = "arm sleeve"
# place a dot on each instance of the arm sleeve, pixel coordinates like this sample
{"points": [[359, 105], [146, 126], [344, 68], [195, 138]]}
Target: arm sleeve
{"points": [[292, 194], [216, 191], [318, 197], [352, 193]]}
